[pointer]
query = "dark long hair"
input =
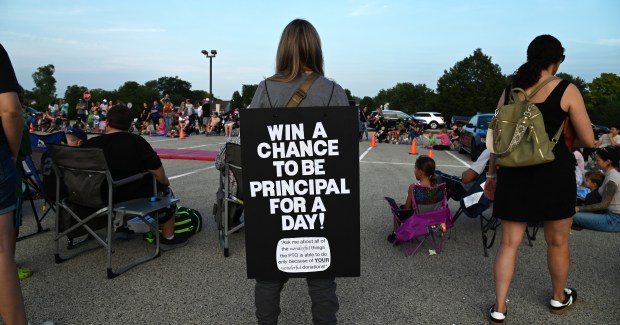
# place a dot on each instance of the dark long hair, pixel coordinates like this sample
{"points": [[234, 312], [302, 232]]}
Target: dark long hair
{"points": [[610, 153], [427, 165], [543, 51]]}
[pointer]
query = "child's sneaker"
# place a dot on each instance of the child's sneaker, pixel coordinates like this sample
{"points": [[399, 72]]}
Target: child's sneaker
{"points": [[391, 238], [170, 244], [558, 307], [496, 317], [23, 272]]}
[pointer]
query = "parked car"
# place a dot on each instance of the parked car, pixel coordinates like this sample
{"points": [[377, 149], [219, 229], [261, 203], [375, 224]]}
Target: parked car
{"points": [[459, 119], [598, 130], [392, 117], [432, 120], [473, 135]]}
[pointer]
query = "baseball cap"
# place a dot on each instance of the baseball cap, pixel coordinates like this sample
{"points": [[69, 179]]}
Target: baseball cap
{"points": [[105, 100], [79, 133]]}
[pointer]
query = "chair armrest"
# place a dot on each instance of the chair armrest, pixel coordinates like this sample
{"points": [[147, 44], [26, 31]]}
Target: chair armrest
{"points": [[130, 179]]}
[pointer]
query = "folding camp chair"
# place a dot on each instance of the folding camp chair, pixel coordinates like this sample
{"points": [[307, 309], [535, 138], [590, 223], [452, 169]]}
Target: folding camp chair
{"points": [[458, 192], [34, 191], [429, 217], [83, 172], [229, 206]]}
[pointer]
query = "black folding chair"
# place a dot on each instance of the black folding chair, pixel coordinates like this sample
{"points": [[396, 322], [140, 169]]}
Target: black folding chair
{"points": [[83, 172]]}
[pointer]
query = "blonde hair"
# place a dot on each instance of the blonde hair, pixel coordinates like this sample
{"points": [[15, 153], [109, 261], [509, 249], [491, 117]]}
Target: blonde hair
{"points": [[300, 46]]}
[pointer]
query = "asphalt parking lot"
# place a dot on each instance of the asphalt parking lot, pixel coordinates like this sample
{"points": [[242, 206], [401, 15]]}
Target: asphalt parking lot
{"points": [[196, 284]]}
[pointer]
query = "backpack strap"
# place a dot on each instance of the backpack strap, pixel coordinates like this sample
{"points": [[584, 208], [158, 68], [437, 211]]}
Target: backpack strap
{"points": [[332, 94], [302, 91], [267, 92], [539, 87]]}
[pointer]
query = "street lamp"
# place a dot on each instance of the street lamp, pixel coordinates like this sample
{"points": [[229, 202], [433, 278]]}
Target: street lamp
{"points": [[210, 56]]}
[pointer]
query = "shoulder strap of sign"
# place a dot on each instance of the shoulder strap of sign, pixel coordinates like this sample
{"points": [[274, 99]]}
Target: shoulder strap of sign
{"points": [[302, 91]]}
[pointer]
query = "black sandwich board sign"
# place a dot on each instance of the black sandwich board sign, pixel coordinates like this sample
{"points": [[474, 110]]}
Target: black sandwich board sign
{"points": [[301, 200]]}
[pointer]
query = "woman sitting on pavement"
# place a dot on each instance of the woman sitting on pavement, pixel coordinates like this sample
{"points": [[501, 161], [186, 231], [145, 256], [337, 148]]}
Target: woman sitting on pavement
{"points": [[603, 216]]}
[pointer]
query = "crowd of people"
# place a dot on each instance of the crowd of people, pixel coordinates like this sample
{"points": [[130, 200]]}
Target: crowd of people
{"points": [[160, 118], [516, 203]]}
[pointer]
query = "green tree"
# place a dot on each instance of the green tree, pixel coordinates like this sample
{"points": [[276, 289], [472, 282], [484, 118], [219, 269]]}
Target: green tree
{"points": [[236, 101], [134, 93], [72, 97], [581, 84], [98, 94], [247, 93], [45, 86], [603, 89], [607, 113], [199, 95], [178, 89], [407, 97], [348, 92], [368, 102], [471, 85]]}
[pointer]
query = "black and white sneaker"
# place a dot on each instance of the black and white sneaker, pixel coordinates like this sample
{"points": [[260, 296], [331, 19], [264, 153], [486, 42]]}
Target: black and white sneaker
{"points": [[496, 317], [558, 307]]}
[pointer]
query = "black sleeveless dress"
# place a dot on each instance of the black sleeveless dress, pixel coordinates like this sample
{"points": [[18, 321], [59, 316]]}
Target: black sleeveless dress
{"points": [[542, 192]]}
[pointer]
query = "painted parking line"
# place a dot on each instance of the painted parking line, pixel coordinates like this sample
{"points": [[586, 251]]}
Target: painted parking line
{"points": [[190, 173], [203, 145], [459, 159], [409, 164], [365, 152]]}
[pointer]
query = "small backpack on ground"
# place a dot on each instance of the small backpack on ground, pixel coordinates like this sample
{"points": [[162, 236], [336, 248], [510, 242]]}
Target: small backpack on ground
{"points": [[187, 222], [517, 134]]}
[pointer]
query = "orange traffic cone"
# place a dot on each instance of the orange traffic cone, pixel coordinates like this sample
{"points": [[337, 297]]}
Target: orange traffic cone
{"points": [[182, 136], [430, 153], [373, 142], [31, 128], [414, 149]]}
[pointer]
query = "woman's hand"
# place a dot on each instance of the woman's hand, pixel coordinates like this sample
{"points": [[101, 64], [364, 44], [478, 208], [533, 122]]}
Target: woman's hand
{"points": [[489, 188]]}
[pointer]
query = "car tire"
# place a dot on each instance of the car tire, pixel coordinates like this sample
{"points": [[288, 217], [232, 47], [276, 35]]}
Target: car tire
{"points": [[461, 149], [473, 150], [433, 125]]}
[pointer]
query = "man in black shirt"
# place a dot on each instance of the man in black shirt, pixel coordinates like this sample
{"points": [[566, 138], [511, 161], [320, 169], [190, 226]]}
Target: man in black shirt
{"points": [[129, 154]]}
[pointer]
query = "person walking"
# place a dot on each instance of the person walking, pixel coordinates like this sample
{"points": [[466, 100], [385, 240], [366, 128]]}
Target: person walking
{"points": [[298, 58], [552, 199]]}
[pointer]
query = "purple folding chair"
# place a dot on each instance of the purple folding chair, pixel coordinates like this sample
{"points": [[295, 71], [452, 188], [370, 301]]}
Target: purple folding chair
{"points": [[430, 217]]}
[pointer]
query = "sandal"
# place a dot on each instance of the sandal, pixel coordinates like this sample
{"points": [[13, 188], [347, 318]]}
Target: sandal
{"points": [[570, 298], [496, 317]]}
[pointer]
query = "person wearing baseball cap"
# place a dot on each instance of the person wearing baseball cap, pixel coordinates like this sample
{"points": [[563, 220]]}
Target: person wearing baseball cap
{"points": [[76, 137]]}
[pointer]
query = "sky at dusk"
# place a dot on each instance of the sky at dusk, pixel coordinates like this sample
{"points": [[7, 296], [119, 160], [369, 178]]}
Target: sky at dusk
{"points": [[367, 45]]}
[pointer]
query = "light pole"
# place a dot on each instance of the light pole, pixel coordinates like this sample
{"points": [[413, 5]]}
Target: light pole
{"points": [[210, 56]]}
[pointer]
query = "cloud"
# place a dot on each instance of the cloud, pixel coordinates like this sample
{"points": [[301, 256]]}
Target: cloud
{"points": [[130, 30], [609, 41], [367, 9]]}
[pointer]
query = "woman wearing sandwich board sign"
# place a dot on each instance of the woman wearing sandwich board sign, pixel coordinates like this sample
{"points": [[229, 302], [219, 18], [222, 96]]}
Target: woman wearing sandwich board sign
{"points": [[301, 180]]}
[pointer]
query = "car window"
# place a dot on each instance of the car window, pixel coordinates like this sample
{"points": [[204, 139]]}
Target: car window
{"points": [[403, 116], [422, 115], [389, 115], [483, 121], [474, 120]]}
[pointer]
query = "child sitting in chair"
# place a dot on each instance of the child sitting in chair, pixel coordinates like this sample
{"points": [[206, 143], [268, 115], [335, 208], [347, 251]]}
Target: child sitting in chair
{"points": [[424, 173]]}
